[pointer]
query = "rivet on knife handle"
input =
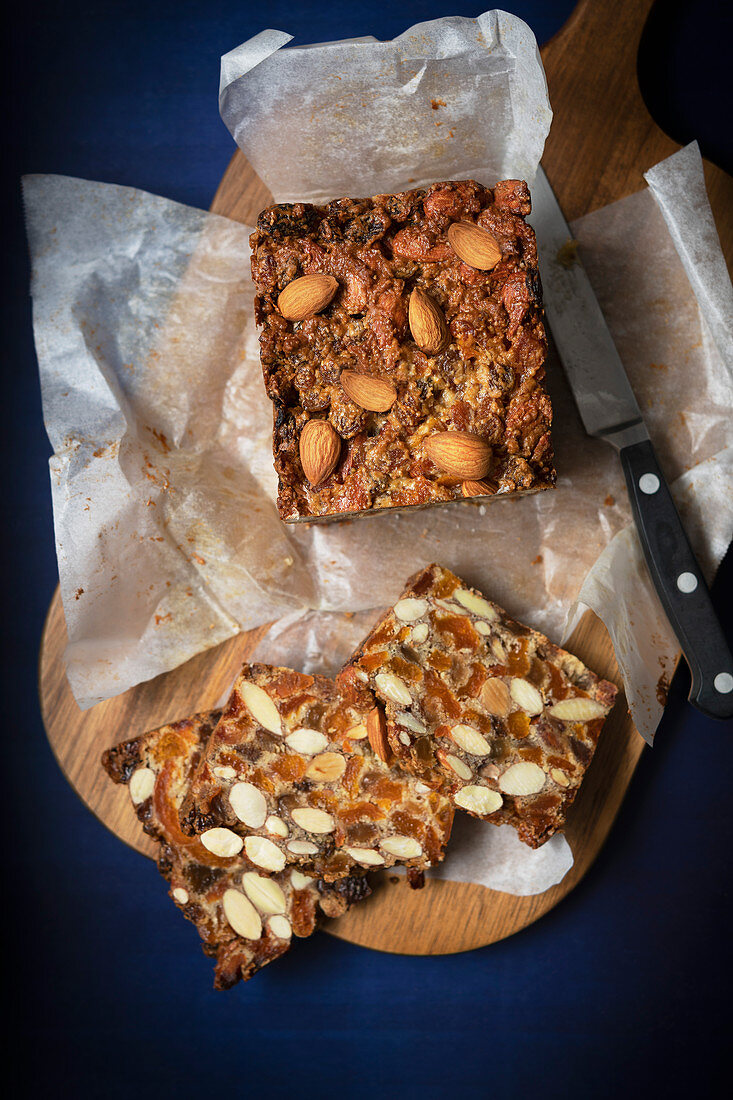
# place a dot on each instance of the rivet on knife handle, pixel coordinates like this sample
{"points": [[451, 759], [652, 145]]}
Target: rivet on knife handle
{"points": [[679, 582]]}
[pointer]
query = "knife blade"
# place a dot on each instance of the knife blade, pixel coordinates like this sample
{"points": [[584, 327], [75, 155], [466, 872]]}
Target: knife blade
{"points": [[609, 410]]}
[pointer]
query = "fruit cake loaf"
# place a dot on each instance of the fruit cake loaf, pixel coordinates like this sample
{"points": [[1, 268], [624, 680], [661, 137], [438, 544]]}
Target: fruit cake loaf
{"points": [[244, 917], [296, 772], [506, 719], [403, 349]]}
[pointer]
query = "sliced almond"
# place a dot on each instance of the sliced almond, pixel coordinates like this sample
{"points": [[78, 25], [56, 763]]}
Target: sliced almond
{"points": [[264, 893], [241, 915], [577, 710], [522, 779], [261, 707], [141, 785], [221, 842], [495, 698], [367, 391], [319, 449], [368, 856], [377, 733], [302, 847], [264, 853], [248, 804], [280, 927], [470, 740], [276, 826], [478, 488], [403, 847], [410, 722], [560, 777], [306, 296], [410, 609], [181, 895], [478, 800], [357, 733], [475, 604], [420, 633], [483, 628], [459, 454], [312, 820], [326, 768], [298, 880], [393, 687], [307, 741], [526, 696], [427, 323], [474, 245], [458, 766], [224, 771]]}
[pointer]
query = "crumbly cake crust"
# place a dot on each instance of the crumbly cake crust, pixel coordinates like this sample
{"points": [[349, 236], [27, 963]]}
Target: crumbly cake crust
{"points": [[505, 719], [157, 768], [291, 772], [486, 380]]}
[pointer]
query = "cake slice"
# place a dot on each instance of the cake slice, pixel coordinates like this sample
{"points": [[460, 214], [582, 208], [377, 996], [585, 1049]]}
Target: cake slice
{"points": [[244, 917], [298, 772], [403, 349], [506, 721]]}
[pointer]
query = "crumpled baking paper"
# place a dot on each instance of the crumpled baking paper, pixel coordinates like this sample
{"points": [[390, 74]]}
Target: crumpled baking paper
{"points": [[451, 98], [167, 533]]}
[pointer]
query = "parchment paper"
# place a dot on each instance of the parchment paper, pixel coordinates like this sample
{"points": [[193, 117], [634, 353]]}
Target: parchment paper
{"points": [[167, 534]]}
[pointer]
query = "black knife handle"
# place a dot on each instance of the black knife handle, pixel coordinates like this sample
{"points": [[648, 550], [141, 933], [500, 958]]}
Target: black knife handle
{"points": [[679, 582]]}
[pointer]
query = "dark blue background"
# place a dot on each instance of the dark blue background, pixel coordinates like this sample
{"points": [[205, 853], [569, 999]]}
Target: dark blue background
{"points": [[619, 989]]}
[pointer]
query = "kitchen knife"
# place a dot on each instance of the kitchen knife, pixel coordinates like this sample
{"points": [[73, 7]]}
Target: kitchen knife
{"points": [[609, 410]]}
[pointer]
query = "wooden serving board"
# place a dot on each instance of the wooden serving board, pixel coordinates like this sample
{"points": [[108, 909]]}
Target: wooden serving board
{"points": [[602, 140]]}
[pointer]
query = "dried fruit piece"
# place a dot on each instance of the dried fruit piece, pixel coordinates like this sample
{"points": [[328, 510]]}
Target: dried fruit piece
{"points": [[404, 847], [306, 296], [427, 323], [264, 893], [478, 800], [526, 696], [393, 687], [367, 391], [319, 448], [407, 611], [261, 707], [141, 785], [326, 768], [577, 710], [248, 804], [312, 820], [459, 454], [241, 915], [470, 740], [280, 927], [264, 853], [309, 742], [221, 842], [377, 733], [522, 779], [495, 698], [474, 245]]}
